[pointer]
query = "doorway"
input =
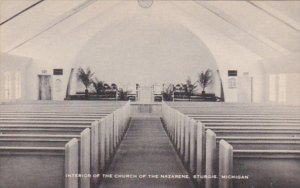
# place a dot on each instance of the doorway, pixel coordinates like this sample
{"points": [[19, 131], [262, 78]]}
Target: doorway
{"points": [[45, 90], [245, 89]]}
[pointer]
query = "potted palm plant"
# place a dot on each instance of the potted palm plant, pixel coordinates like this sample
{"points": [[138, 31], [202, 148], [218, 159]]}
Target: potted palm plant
{"points": [[168, 92], [98, 85], [123, 94], [86, 77], [189, 88], [205, 79]]}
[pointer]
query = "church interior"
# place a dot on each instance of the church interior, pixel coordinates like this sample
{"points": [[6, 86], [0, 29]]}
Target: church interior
{"points": [[204, 89]]}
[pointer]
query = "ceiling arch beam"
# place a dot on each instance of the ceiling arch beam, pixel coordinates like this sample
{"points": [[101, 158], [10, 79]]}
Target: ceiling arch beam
{"points": [[21, 12]]}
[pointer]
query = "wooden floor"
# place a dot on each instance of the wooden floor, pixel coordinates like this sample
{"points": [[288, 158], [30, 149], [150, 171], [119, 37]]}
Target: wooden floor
{"points": [[146, 150]]}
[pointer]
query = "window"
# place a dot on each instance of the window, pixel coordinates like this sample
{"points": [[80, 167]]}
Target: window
{"points": [[58, 85], [57, 71], [232, 83], [272, 88], [7, 85], [282, 88], [18, 84], [232, 73]]}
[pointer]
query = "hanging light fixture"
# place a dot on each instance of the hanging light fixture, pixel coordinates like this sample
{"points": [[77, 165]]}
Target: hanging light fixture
{"points": [[145, 3]]}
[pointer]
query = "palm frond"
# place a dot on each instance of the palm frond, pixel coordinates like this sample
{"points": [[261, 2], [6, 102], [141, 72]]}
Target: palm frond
{"points": [[85, 76], [205, 78], [98, 85]]}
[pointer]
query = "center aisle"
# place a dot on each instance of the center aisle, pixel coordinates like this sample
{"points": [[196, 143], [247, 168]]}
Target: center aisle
{"points": [[146, 149]]}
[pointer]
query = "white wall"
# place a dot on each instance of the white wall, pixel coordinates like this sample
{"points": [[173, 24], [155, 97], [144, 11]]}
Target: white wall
{"points": [[29, 70], [41, 67], [185, 39], [293, 89], [284, 88], [142, 51], [12, 65], [283, 79]]}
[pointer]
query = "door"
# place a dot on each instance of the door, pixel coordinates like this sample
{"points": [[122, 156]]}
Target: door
{"points": [[45, 91], [245, 89]]}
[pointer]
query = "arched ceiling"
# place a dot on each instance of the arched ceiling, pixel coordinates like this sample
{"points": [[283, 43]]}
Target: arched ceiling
{"points": [[145, 52], [235, 32]]}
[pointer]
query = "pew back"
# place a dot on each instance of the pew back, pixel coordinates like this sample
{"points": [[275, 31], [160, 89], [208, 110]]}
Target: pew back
{"points": [[39, 166]]}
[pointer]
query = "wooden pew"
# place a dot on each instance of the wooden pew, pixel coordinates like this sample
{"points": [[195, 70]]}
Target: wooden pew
{"points": [[246, 142], [61, 108], [101, 147], [249, 142], [192, 105], [29, 167], [227, 117], [278, 168], [47, 122], [29, 140], [239, 109], [257, 124], [43, 129], [54, 112], [272, 119], [81, 119], [25, 140], [59, 115], [269, 131], [264, 143], [188, 138], [104, 133], [175, 129], [228, 104]]}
